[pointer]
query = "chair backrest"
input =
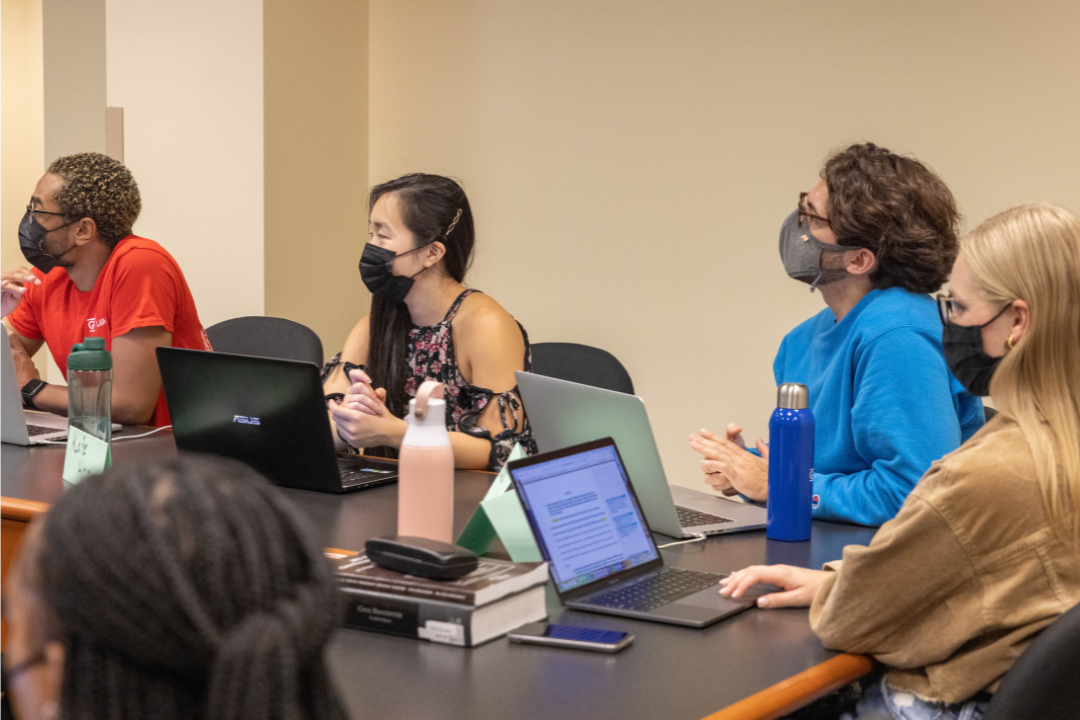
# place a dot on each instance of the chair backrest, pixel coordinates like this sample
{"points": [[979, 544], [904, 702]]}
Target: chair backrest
{"points": [[581, 364], [1044, 682], [266, 337]]}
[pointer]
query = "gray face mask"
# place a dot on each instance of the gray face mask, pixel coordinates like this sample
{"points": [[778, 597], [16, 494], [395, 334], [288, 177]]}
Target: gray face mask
{"points": [[803, 254]]}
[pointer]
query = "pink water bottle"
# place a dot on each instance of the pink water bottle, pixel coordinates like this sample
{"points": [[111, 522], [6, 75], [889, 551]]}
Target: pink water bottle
{"points": [[426, 469]]}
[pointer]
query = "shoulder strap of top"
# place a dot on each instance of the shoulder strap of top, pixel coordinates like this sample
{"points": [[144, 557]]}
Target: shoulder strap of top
{"points": [[457, 304]]}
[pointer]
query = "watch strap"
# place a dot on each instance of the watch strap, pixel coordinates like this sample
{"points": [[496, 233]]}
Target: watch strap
{"points": [[30, 390]]}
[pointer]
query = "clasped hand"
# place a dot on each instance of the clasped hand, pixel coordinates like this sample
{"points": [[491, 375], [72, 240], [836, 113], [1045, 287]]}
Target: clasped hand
{"points": [[362, 418], [729, 468]]}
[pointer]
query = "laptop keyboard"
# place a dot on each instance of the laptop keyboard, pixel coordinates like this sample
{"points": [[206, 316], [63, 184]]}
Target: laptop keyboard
{"points": [[651, 592], [359, 478], [692, 518], [35, 430]]}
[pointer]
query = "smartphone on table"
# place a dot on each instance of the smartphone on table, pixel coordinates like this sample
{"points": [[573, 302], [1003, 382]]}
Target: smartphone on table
{"points": [[571, 636]]}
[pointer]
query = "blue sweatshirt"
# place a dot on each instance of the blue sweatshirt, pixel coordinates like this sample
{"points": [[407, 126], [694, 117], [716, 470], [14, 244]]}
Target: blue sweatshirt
{"points": [[885, 404]]}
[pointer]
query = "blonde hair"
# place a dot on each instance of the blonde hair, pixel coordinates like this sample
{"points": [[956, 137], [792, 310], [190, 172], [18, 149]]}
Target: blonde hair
{"points": [[1032, 252]]}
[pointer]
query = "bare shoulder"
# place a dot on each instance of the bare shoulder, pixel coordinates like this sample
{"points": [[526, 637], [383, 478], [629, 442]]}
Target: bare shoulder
{"points": [[356, 345], [482, 320]]}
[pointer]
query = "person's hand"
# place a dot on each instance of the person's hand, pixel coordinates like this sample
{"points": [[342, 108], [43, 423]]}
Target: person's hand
{"points": [[361, 396], [13, 287], [734, 434], [362, 418], [799, 584], [728, 466], [25, 370]]}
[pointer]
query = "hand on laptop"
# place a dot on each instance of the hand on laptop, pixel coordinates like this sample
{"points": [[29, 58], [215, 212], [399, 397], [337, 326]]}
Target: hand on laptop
{"points": [[799, 584], [13, 286], [729, 468]]}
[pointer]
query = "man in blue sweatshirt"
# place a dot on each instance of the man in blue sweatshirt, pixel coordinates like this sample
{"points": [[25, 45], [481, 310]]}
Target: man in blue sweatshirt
{"points": [[876, 234]]}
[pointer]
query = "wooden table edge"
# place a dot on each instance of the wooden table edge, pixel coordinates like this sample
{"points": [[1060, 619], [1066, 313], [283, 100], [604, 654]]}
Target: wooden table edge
{"points": [[21, 510], [799, 690]]}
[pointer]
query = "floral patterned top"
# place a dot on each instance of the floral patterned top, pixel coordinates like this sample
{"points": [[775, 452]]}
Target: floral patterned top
{"points": [[431, 356]]}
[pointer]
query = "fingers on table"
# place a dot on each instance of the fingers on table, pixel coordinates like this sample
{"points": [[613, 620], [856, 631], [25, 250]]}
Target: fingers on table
{"points": [[737, 583]]}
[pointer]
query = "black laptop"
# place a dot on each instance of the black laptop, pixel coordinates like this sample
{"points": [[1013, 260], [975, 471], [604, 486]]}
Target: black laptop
{"points": [[590, 529], [267, 413]]}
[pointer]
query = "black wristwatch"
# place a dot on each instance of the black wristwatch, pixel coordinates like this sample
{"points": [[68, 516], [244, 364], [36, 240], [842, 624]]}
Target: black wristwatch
{"points": [[29, 390]]}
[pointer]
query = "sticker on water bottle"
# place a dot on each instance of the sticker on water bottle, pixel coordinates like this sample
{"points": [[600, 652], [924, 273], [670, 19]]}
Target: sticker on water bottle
{"points": [[86, 455], [815, 501]]}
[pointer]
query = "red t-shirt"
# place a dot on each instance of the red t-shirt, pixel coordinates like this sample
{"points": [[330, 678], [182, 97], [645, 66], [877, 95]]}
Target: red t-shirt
{"points": [[140, 286]]}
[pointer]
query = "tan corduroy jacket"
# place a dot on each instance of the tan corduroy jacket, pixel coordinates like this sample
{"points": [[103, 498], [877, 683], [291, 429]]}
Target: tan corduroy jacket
{"points": [[957, 585]]}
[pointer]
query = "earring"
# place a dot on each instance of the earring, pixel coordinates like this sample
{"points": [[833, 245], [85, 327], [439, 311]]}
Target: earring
{"points": [[1009, 343]]}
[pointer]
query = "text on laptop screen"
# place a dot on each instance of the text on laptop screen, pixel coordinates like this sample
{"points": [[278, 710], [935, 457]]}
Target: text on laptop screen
{"points": [[588, 519]]}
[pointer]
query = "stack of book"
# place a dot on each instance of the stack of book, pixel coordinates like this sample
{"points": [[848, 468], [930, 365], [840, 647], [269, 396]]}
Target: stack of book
{"points": [[485, 604]]}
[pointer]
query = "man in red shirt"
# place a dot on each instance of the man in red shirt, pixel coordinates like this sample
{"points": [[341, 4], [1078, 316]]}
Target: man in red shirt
{"points": [[93, 278]]}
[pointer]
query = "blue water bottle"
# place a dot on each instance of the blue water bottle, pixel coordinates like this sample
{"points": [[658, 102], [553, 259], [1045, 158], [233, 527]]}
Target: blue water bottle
{"points": [[791, 465]]}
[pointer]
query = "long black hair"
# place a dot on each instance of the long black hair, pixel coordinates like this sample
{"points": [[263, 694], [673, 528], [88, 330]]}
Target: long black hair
{"points": [[429, 204], [186, 588]]}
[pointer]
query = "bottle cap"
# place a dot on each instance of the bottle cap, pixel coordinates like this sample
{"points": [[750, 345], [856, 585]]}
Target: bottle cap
{"points": [[90, 354], [792, 396]]}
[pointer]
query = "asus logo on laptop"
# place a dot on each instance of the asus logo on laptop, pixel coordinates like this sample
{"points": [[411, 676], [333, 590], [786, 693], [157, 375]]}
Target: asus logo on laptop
{"points": [[245, 420]]}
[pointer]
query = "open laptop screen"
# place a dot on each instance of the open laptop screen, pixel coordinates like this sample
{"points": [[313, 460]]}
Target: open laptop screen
{"points": [[584, 514]]}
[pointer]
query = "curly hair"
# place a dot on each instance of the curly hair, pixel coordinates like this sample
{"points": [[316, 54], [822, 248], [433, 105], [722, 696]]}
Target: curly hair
{"points": [[100, 188], [897, 208]]}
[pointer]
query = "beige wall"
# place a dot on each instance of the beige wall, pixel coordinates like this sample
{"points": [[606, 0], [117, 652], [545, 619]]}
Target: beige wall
{"points": [[22, 125], [74, 65], [189, 76], [630, 163], [315, 78]]}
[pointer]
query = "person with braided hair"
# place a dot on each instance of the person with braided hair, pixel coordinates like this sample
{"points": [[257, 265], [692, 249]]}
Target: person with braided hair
{"points": [[179, 589]]}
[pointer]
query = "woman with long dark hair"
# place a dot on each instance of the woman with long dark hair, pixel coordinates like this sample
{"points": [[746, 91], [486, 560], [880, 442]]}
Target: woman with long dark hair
{"points": [[425, 324], [181, 589]]}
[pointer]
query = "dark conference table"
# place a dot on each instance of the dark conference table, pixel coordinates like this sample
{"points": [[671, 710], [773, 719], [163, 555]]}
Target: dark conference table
{"points": [[670, 672]]}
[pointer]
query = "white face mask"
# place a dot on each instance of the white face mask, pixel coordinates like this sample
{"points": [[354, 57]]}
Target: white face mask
{"points": [[802, 254]]}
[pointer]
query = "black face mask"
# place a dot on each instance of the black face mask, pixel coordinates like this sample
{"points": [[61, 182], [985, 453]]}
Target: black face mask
{"points": [[963, 345], [32, 238], [379, 277]]}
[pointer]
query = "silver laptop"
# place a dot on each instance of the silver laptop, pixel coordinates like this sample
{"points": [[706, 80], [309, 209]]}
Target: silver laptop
{"points": [[564, 413], [602, 558], [20, 426]]}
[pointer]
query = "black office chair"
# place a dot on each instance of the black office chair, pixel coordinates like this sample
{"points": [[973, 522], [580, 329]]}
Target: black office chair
{"points": [[1044, 683], [990, 412], [581, 364], [266, 337]]}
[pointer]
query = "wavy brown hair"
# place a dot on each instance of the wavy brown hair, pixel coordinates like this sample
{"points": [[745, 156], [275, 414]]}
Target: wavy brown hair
{"points": [[899, 209]]}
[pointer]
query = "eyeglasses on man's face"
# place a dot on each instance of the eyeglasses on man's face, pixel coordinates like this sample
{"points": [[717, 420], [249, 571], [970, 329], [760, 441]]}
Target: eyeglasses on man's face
{"points": [[804, 213], [35, 213]]}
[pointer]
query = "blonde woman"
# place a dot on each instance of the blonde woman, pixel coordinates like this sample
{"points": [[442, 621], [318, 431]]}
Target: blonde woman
{"points": [[985, 552]]}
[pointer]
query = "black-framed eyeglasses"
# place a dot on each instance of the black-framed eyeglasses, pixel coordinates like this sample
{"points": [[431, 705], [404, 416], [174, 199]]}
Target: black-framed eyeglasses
{"points": [[947, 306], [806, 214], [34, 213]]}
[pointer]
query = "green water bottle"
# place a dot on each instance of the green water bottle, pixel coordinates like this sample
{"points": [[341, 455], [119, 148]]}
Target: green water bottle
{"points": [[89, 377]]}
